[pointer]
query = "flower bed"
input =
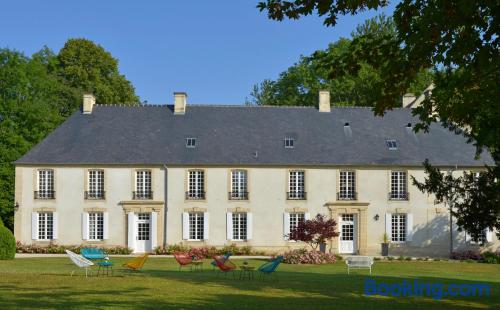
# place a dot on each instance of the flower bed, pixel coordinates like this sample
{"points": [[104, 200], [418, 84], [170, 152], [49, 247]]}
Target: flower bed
{"points": [[302, 256], [59, 249], [484, 257]]}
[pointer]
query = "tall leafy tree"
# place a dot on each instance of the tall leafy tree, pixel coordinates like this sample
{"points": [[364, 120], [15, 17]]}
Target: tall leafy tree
{"points": [[37, 93], [299, 84], [458, 39], [84, 65]]}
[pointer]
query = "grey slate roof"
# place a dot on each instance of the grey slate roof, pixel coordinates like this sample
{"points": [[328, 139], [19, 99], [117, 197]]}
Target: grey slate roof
{"points": [[245, 135]]}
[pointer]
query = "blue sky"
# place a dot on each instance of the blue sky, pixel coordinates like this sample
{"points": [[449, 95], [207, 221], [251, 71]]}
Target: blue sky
{"points": [[213, 50]]}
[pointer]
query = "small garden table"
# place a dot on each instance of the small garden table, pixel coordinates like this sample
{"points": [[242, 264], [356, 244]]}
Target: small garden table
{"points": [[198, 265], [105, 265], [246, 272]]}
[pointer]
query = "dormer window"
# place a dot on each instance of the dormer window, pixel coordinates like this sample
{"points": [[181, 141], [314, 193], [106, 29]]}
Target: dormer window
{"points": [[289, 143], [391, 144], [190, 142]]}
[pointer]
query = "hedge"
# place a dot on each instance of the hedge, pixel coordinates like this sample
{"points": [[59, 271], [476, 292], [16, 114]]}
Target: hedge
{"points": [[7, 243]]}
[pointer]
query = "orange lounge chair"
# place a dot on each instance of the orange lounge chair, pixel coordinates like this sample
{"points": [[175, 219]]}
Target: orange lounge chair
{"points": [[184, 259], [225, 266], [137, 263]]}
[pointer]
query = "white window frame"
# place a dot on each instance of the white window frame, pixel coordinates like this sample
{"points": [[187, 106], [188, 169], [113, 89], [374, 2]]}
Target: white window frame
{"points": [[196, 184], [96, 226], [391, 144], [191, 143], [399, 228], [297, 184], [239, 226], [46, 223], [196, 222], [289, 143], [95, 183], [143, 184], [347, 185], [45, 184], [295, 218], [239, 184], [399, 185]]}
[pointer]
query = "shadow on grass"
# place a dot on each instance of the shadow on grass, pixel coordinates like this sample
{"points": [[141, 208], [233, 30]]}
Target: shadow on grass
{"points": [[158, 289]]}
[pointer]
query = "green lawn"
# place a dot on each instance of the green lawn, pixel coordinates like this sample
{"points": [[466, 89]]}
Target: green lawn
{"points": [[46, 283]]}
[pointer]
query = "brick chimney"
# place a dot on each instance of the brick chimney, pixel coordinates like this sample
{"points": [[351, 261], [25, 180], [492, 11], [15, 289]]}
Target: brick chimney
{"points": [[324, 101], [180, 102], [88, 103]]}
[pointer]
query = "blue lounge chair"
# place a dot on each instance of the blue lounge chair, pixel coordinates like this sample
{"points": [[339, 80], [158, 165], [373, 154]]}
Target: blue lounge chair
{"points": [[93, 253], [270, 267]]}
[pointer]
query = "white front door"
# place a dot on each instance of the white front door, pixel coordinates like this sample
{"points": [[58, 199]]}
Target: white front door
{"points": [[347, 238], [143, 233]]}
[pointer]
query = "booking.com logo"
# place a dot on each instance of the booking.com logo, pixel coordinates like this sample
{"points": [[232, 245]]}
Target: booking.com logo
{"points": [[434, 290]]}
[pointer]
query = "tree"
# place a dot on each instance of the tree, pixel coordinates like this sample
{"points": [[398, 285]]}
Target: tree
{"points": [[314, 232], [299, 84], [84, 65], [458, 40], [37, 93]]}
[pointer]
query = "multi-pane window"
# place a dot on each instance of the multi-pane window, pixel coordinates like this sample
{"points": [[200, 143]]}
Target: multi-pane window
{"points": [[239, 185], [239, 226], [347, 185], [347, 227], [196, 185], [45, 184], [196, 225], [398, 227], [289, 143], [143, 226], [96, 226], [391, 144], [45, 226], [95, 184], [398, 185], [143, 185], [295, 218], [191, 142], [296, 185], [481, 239]]}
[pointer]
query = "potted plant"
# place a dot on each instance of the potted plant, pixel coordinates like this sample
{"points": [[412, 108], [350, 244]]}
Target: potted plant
{"points": [[385, 245]]}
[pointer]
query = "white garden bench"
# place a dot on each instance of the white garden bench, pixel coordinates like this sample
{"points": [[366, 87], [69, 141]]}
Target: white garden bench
{"points": [[359, 262]]}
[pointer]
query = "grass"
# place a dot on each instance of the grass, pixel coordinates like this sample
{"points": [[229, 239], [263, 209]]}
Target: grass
{"points": [[46, 283]]}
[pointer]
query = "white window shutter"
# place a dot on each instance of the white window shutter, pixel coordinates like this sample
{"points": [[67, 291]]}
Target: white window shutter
{"points": [[489, 235], [388, 225], [409, 227], [185, 225], [34, 225], [206, 225], [229, 226], [467, 237], [105, 225], [249, 226], [286, 225], [154, 230], [307, 216], [85, 226], [131, 230], [55, 226]]}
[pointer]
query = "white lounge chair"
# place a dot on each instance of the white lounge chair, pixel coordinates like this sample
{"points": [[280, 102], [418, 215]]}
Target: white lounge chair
{"points": [[80, 261]]}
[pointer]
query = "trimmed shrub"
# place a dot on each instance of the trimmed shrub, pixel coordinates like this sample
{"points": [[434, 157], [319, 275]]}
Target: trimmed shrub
{"points": [[7, 243], [466, 255], [302, 256], [491, 257]]}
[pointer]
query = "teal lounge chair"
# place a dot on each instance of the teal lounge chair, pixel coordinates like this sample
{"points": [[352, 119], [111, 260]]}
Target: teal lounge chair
{"points": [[270, 267], [224, 258], [93, 253]]}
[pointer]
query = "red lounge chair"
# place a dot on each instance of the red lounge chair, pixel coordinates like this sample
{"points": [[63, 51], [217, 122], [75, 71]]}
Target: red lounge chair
{"points": [[183, 259], [225, 266]]}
